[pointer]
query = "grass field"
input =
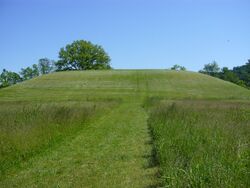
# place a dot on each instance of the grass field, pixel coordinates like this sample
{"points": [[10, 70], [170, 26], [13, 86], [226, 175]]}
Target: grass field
{"points": [[202, 144], [96, 129], [28, 129]]}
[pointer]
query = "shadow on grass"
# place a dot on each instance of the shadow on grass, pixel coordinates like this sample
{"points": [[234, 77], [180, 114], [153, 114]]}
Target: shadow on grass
{"points": [[152, 161]]}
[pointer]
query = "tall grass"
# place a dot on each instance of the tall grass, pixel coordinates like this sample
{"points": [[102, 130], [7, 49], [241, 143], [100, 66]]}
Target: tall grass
{"points": [[26, 130], [202, 144]]}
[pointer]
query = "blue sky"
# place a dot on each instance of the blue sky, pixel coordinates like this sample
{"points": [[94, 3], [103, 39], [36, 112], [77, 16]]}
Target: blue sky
{"points": [[135, 33]]}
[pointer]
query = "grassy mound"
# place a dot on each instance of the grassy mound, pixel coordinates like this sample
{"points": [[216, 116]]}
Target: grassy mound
{"points": [[200, 141], [99, 85]]}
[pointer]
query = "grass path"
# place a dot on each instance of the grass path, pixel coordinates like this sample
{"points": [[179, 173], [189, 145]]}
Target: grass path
{"points": [[113, 151]]}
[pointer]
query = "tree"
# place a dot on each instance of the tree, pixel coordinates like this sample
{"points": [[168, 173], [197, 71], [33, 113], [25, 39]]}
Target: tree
{"points": [[211, 68], [83, 55], [26, 73], [29, 72], [239, 75], [8, 78], [243, 72], [35, 70], [45, 65], [229, 75], [178, 68]]}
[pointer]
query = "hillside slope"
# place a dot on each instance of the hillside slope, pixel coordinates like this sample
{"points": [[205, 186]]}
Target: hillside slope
{"points": [[88, 128], [87, 85]]}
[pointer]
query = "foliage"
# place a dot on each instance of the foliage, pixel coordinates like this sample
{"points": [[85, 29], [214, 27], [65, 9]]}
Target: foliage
{"points": [[82, 55], [29, 72], [42, 129], [211, 68], [45, 66], [178, 68], [8, 78], [243, 72], [239, 75], [230, 76], [35, 69]]}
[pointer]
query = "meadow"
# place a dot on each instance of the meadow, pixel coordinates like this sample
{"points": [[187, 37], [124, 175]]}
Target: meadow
{"points": [[124, 128], [27, 129], [202, 143]]}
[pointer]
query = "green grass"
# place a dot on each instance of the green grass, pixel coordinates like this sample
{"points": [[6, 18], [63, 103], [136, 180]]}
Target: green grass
{"points": [[109, 152], [27, 129], [98, 85], [202, 144], [88, 128]]}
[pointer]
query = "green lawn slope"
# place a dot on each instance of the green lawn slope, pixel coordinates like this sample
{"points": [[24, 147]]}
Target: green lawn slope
{"points": [[86, 85], [91, 128]]}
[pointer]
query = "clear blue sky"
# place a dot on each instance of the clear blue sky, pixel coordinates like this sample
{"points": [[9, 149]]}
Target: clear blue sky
{"points": [[135, 33]]}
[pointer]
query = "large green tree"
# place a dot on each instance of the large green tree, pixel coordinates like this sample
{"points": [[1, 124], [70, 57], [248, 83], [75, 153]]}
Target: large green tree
{"points": [[83, 55]]}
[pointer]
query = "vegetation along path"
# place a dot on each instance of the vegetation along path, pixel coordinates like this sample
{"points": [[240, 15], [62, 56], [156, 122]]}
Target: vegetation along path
{"points": [[112, 152], [89, 129]]}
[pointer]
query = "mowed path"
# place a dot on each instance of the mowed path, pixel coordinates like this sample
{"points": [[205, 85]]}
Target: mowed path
{"points": [[112, 151]]}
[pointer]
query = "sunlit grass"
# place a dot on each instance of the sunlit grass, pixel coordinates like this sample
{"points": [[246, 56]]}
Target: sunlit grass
{"points": [[201, 143], [28, 129], [88, 128]]}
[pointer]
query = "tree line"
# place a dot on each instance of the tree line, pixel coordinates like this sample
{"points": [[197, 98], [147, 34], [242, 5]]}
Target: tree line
{"points": [[83, 55], [239, 75], [44, 66], [79, 55]]}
